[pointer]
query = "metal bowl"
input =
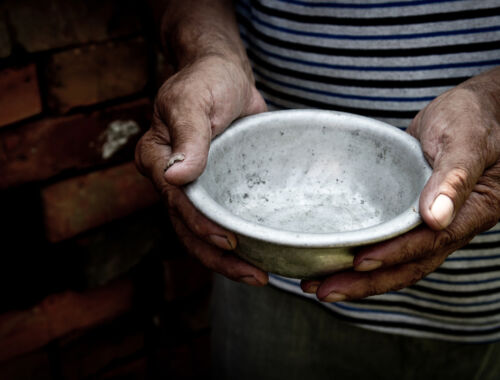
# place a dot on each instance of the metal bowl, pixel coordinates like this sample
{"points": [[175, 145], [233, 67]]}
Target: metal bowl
{"points": [[302, 189]]}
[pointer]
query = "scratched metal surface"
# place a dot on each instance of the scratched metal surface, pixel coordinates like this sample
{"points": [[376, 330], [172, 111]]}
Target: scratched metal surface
{"points": [[311, 179]]}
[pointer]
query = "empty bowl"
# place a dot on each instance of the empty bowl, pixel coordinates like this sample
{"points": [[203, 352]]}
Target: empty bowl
{"points": [[302, 189]]}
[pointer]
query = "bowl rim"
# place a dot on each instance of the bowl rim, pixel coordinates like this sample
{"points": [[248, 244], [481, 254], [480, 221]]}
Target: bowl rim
{"points": [[405, 221]]}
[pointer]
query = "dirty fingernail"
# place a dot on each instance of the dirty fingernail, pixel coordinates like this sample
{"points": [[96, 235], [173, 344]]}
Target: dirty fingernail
{"points": [[312, 289], [249, 280], [334, 297], [368, 265], [177, 157], [221, 241], [442, 210]]}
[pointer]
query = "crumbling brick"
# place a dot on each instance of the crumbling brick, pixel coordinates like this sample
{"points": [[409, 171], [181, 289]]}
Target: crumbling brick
{"points": [[42, 149]]}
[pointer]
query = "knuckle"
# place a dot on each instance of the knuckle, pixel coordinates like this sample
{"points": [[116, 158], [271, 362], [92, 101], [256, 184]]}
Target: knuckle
{"points": [[183, 128], [374, 286], [459, 179], [407, 252], [490, 207], [443, 238], [416, 273], [488, 190], [412, 275]]}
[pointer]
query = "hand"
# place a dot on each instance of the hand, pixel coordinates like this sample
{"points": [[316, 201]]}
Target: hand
{"points": [[191, 108], [460, 136]]}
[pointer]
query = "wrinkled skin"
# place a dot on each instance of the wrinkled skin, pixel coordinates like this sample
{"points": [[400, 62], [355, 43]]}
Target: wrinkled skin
{"points": [[191, 108], [460, 136], [459, 132]]}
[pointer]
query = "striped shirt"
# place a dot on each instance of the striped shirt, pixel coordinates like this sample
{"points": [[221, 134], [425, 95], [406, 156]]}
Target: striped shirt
{"points": [[387, 59]]}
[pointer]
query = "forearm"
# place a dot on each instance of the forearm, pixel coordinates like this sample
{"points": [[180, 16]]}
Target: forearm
{"points": [[193, 29]]}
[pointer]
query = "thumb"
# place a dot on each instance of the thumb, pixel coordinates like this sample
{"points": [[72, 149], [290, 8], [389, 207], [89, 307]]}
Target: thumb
{"points": [[191, 127], [190, 134], [454, 176]]}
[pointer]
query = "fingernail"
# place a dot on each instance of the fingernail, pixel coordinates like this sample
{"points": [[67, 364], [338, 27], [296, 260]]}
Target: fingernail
{"points": [[367, 265], [177, 157], [249, 280], [442, 210], [312, 289], [221, 241], [334, 297]]}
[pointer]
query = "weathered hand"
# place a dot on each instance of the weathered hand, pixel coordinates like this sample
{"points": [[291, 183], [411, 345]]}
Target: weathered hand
{"points": [[460, 136], [191, 108]]}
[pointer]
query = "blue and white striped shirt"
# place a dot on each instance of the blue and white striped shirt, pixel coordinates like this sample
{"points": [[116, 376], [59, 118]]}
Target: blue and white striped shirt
{"points": [[387, 59]]}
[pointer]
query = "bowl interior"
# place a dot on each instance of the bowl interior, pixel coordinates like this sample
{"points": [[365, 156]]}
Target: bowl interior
{"points": [[314, 172]]}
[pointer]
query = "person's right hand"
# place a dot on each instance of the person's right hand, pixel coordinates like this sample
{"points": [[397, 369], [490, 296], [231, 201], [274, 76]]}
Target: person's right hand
{"points": [[191, 108]]}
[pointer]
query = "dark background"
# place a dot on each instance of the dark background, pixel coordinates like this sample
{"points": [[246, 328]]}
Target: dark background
{"points": [[93, 283]]}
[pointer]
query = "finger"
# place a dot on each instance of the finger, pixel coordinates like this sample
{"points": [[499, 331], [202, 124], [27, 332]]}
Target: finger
{"points": [[225, 263], [151, 154], [197, 223], [411, 246], [310, 286], [188, 123], [355, 285], [479, 213], [457, 167]]}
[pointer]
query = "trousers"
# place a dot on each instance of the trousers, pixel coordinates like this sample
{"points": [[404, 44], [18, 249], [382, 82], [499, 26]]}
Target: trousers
{"points": [[267, 333]]}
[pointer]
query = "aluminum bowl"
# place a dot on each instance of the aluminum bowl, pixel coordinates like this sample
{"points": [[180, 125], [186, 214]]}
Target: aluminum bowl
{"points": [[302, 189]]}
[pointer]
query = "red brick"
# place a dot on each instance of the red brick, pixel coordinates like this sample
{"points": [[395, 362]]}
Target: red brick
{"points": [[81, 203], [43, 25], [42, 149], [96, 73], [184, 276], [59, 314], [20, 95]]}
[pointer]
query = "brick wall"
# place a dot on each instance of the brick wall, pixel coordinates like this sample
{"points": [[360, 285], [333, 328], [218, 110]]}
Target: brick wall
{"points": [[93, 282]]}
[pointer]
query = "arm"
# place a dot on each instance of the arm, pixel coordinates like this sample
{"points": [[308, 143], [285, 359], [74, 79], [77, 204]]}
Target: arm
{"points": [[460, 136], [213, 85]]}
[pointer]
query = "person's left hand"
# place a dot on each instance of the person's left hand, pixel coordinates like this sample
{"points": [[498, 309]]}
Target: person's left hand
{"points": [[460, 136]]}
